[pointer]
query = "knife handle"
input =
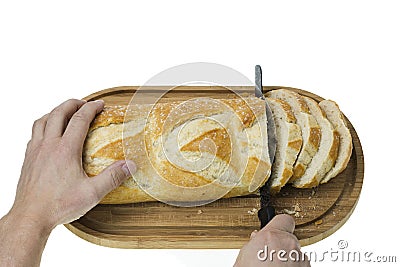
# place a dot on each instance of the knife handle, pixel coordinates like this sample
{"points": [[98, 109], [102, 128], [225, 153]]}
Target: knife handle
{"points": [[265, 215]]}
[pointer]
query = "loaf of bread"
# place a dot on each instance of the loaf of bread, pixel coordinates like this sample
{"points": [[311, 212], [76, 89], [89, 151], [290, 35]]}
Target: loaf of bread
{"points": [[196, 151], [193, 151]]}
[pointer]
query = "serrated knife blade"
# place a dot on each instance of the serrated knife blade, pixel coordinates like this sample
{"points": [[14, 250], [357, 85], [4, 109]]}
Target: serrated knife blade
{"points": [[266, 211]]}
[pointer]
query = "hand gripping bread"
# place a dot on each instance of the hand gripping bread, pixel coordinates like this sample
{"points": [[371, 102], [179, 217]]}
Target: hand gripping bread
{"points": [[335, 116], [325, 158], [310, 130], [289, 143], [189, 144]]}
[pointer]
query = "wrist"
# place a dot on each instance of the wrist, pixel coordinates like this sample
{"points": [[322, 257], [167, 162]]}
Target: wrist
{"points": [[22, 239], [28, 222]]}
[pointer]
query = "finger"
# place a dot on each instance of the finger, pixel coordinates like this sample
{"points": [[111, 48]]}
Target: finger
{"points": [[38, 128], [59, 117], [306, 260], [112, 177], [78, 126], [282, 222], [253, 234]]}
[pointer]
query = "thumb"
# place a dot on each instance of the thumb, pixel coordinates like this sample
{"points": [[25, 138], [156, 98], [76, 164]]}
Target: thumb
{"points": [[253, 234], [282, 222], [113, 176]]}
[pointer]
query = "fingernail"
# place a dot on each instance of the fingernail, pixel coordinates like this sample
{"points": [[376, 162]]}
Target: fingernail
{"points": [[129, 167], [99, 101]]}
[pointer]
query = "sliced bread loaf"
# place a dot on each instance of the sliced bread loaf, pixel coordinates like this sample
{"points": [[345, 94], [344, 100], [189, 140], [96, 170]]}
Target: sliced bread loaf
{"points": [[289, 143], [325, 158], [336, 118], [310, 130]]}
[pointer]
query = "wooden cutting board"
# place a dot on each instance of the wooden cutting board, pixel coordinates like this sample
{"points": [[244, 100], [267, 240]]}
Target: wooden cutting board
{"points": [[225, 223]]}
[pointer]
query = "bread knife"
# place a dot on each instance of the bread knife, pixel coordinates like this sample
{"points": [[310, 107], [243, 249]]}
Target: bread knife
{"points": [[266, 211]]}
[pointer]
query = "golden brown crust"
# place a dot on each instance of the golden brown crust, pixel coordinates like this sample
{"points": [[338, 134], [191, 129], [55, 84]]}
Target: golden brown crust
{"points": [[217, 136], [113, 150], [312, 183], [303, 104], [109, 115], [244, 111], [315, 137], [288, 110], [124, 195], [298, 171], [333, 153], [287, 173], [104, 144], [296, 144]]}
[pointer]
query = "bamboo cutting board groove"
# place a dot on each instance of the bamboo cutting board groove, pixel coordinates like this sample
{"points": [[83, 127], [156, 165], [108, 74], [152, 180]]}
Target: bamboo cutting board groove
{"points": [[225, 223]]}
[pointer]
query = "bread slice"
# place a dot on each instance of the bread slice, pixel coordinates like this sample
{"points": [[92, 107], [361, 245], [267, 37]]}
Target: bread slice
{"points": [[336, 117], [327, 153], [289, 141], [310, 130]]}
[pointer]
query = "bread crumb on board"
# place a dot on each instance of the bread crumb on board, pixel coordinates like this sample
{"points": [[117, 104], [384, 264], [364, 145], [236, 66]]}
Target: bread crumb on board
{"points": [[295, 211], [312, 194], [297, 207], [319, 222], [199, 212], [290, 212], [253, 211]]}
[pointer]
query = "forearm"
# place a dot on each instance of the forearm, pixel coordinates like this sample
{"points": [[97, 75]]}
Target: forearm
{"points": [[53, 188], [22, 240]]}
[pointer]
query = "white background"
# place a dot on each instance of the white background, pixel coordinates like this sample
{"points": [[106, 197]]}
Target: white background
{"points": [[343, 50]]}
